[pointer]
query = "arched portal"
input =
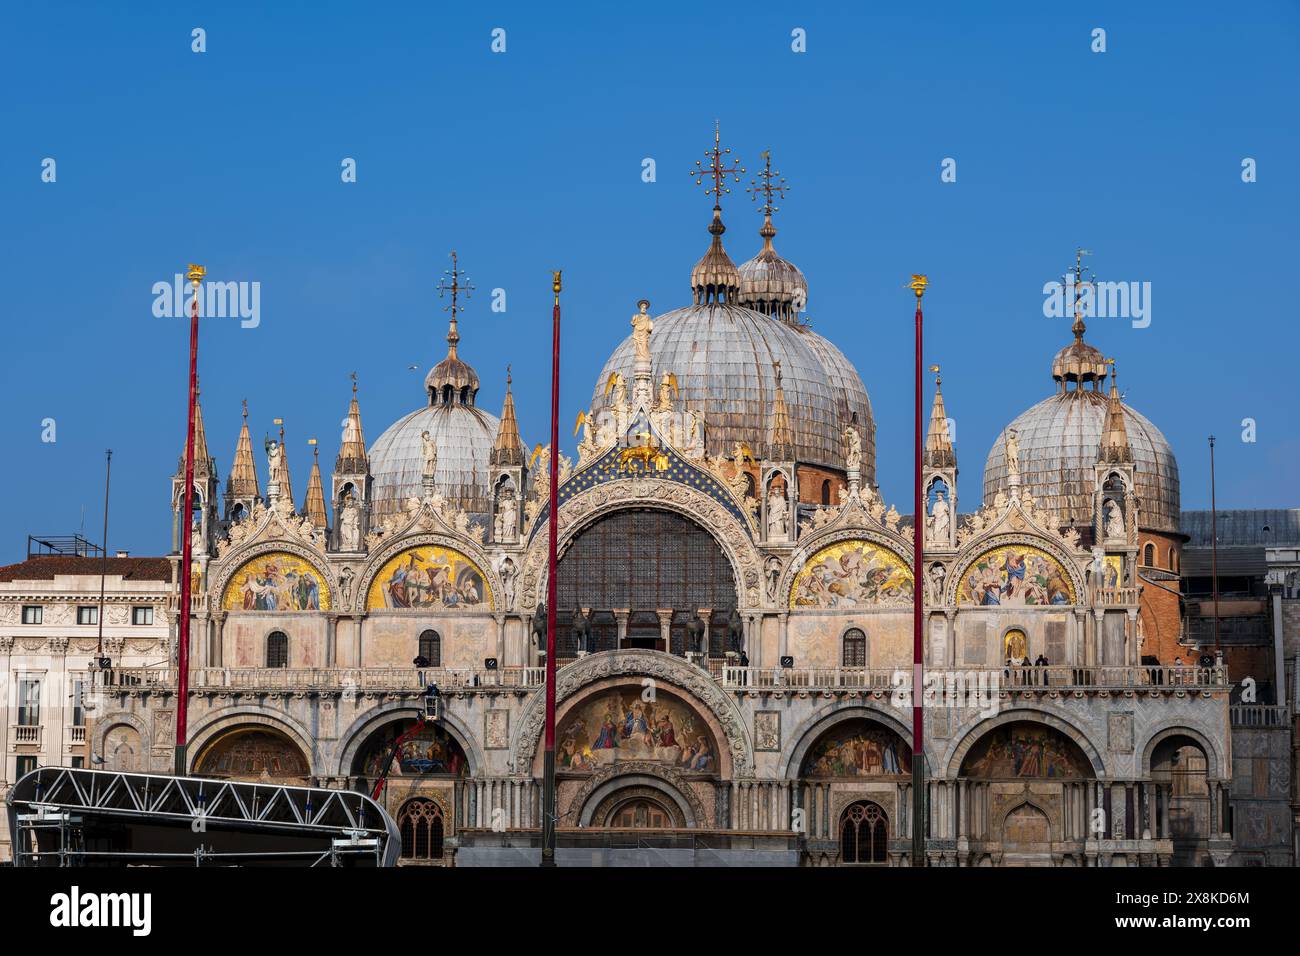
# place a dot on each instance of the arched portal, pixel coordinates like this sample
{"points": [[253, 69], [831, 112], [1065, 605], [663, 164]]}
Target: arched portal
{"points": [[253, 753], [644, 574], [1179, 770], [857, 748], [433, 752]]}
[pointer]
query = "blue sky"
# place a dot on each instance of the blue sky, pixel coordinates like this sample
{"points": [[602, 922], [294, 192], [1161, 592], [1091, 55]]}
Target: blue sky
{"points": [[531, 160]]}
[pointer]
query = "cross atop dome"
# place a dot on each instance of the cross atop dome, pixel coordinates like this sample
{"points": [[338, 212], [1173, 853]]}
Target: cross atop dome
{"points": [[456, 287], [715, 278], [452, 380], [767, 189], [1079, 362]]}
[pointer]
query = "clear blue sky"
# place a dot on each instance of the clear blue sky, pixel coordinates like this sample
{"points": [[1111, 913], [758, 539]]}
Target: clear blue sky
{"points": [[531, 160]]}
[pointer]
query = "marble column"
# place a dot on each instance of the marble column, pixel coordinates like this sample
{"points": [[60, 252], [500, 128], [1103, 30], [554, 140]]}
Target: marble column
{"points": [[620, 618], [665, 615]]}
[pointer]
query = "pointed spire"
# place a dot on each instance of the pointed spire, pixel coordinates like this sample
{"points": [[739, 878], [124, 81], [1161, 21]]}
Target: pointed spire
{"points": [[1114, 440], [314, 507], [938, 443], [508, 448], [204, 465], [242, 482], [781, 446], [287, 491], [352, 459]]}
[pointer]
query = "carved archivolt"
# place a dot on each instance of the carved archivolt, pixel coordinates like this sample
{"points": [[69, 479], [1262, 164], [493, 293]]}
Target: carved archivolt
{"points": [[596, 502], [674, 672], [640, 768]]}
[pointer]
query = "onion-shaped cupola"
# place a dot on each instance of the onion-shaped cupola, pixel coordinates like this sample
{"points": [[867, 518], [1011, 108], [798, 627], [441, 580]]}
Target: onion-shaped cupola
{"points": [[769, 283]]}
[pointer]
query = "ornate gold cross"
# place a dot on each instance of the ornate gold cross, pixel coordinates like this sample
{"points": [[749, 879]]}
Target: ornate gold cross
{"points": [[768, 188], [716, 170]]}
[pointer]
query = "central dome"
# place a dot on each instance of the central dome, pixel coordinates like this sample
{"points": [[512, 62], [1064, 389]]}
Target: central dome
{"points": [[722, 355]]}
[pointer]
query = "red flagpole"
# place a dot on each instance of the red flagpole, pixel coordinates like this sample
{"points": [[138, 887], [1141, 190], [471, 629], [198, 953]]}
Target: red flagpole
{"points": [[548, 770], [919, 783], [195, 276]]}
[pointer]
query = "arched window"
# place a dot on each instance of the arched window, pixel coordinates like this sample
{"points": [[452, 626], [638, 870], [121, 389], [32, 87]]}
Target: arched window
{"points": [[277, 649], [855, 648], [1173, 560], [420, 823], [826, 492], [864, 833], [1149, 555], [431, 648]]}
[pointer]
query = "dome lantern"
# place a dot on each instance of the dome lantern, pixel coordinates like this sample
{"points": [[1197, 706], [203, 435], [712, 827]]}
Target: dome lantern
{"points": [[715, 278], [452, 380], [769, 283]]}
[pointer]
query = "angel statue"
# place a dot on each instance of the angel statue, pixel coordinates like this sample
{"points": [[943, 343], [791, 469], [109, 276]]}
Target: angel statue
{"points": [[852, 448]]}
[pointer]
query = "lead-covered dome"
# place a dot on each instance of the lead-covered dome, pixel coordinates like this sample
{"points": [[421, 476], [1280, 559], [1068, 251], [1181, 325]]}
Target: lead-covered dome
{"points": [[1059, 440], [463, 433], [723, 355]]}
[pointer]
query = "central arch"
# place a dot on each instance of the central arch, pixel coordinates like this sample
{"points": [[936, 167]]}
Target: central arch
{"points": [[632, 565]]}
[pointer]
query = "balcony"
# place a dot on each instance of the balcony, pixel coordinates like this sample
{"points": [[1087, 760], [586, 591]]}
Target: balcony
{"points": [[1258, 716], [1048, 679], [25, 735], [77, 735], [1045, 679], [1127, 597]]}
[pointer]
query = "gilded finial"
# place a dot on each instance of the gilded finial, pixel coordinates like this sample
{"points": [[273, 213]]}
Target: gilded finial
{"points": [[456, 288], [767, 188], [918, 286], [937, 380], [1078, 328], [196, 274], [353, 376], [556, 286], [508, 378], [716, 169]]}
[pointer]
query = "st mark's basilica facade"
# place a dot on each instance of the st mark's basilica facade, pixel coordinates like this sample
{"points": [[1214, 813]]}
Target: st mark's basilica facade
{"points": [[735, 615]]}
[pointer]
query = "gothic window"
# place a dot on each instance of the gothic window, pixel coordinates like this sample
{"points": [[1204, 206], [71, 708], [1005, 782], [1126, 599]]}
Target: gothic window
{"points": [[420, 823], [826, 492], [1149, 555], [855, 648], [864, 833], [277, 649], [431, 648]]}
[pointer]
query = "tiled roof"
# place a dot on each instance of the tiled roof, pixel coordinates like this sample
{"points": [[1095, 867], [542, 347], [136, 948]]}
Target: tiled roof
{"points": [[129, 569]]}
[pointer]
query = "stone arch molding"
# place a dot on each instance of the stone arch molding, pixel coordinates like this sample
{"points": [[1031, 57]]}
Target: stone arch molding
{"points": [[1058, 723], [809, 548], [826, 719], [356, 734], [232, 562], [1213, 761], [694, 682], [217, 723], [609, 780], [375, 562], [968, 555], [596, 502]]}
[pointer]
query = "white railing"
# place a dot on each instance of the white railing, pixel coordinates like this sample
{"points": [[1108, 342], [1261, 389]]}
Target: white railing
{"points": [[25, 733], [1258, 715], [361, 679], [1050, 677], [77, 735], [1114, 596]]}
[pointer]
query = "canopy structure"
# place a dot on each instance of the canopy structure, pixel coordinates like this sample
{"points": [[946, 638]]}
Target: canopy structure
{"points": [[59, 816]]}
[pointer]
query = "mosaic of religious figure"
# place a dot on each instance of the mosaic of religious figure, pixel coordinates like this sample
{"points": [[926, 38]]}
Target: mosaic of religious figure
{"points": [[276, 582], [253, 754], [858, 748], [1025, 749], [852, 574], [431, 751], [429, 577], [1015, 576], [619, 725]]}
